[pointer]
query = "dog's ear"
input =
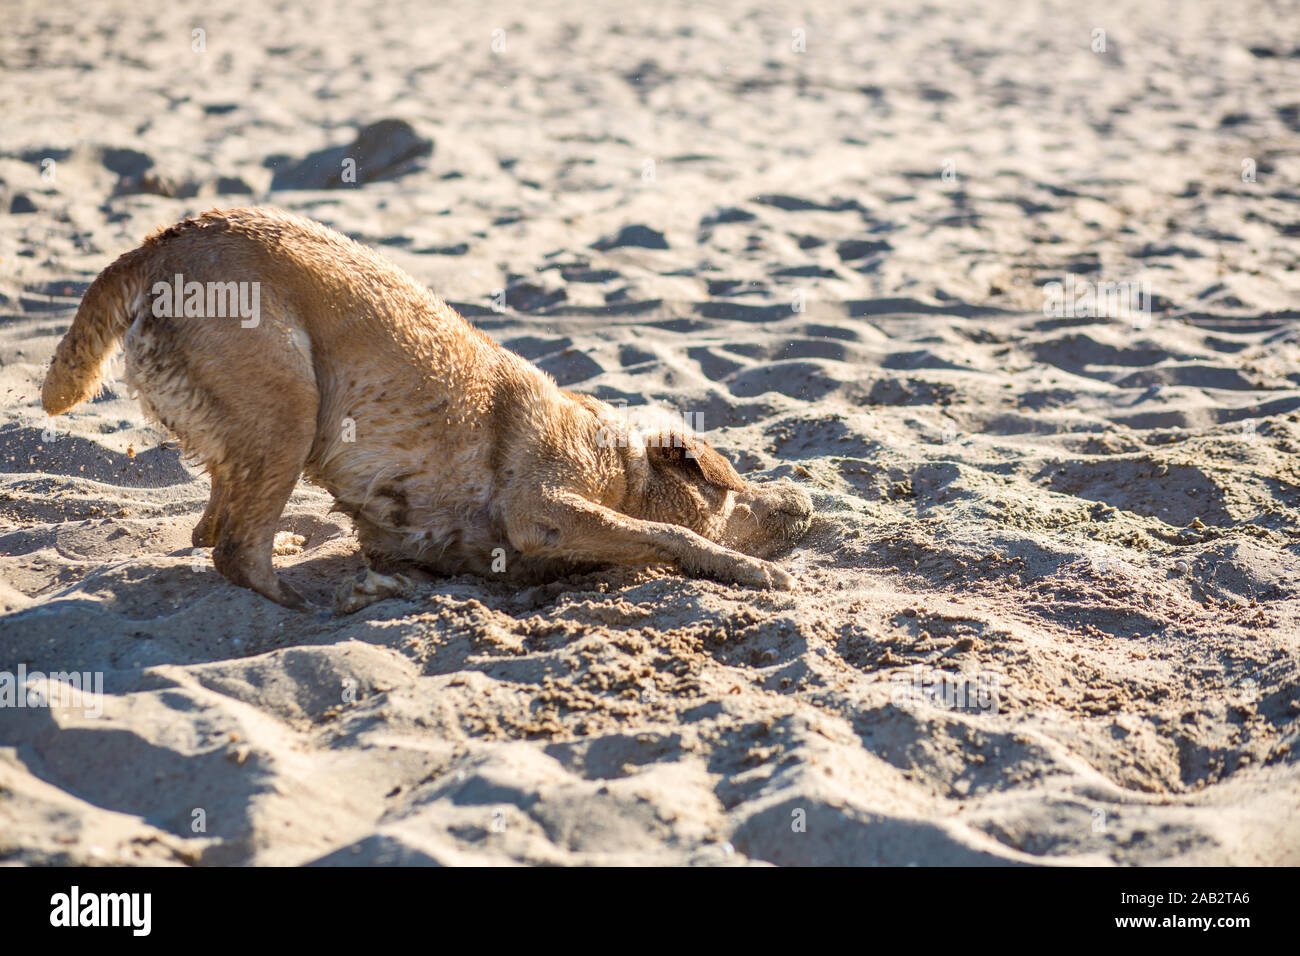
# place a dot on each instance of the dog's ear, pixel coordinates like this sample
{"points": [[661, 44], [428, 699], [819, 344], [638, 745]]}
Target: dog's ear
{"points": [[696, 455]]}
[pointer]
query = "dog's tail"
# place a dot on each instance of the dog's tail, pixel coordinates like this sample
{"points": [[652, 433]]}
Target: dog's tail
{"points": [[106, 312]]}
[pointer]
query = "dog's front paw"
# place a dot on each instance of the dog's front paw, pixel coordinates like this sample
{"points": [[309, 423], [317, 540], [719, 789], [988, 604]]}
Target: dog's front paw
{"points": [[772, 577], [757, 573], [780, 579]]}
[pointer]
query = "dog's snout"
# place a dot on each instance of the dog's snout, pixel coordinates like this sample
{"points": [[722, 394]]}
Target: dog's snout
{"points": [[770, 517], [795, 502]]}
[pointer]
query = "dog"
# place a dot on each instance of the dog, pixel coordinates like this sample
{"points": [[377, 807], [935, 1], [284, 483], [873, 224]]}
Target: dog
{"points": [[274, 347]]}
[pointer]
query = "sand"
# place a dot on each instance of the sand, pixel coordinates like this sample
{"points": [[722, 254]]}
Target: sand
{"points": [[1048, 611]]}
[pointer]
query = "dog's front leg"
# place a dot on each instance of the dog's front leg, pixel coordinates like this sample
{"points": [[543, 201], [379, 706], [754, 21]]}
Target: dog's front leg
{"points": [[568, 527]]}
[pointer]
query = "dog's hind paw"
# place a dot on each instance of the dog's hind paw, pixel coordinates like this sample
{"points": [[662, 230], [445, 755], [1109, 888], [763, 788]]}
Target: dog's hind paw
{"points": [[367, 588]]}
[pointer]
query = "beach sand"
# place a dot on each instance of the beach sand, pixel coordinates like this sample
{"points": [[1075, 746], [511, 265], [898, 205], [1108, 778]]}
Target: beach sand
{"points": [[1048, 611]]}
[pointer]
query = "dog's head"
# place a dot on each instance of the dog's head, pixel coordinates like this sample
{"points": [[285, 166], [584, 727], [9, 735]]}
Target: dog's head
{"points": [[676, 477]]}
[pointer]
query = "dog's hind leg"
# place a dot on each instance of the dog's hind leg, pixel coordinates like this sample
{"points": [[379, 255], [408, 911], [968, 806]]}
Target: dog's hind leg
{"points": [[247, 523], [245, 402]]}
